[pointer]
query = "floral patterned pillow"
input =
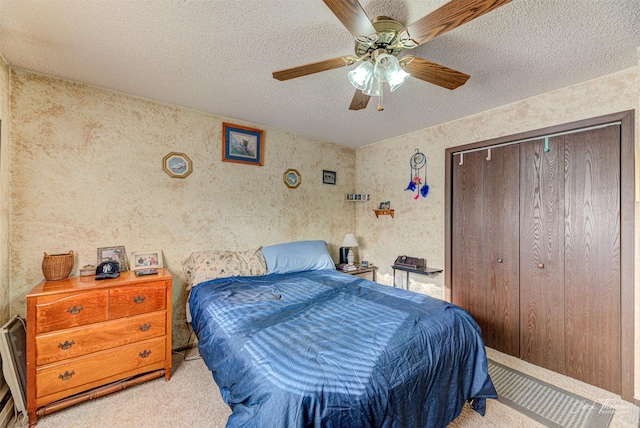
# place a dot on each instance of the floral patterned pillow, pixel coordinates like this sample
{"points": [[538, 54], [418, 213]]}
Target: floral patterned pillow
{"points": [[203, 266]]}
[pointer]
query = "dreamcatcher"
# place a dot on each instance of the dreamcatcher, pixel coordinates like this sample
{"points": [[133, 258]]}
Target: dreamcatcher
{"points": [[418, 163]]}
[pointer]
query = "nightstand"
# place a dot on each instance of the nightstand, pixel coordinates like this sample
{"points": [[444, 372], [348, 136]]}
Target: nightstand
{"points": [[366, 273]]}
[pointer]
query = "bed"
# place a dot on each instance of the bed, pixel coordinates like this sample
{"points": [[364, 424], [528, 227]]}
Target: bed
{"points": [[300, 344]]}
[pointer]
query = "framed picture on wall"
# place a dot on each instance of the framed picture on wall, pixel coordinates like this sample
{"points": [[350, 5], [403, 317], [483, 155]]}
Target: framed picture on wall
{"points": [[291, 178], [328, 177], [146, 260], [114, 254], [177, 165], [242, 145]]}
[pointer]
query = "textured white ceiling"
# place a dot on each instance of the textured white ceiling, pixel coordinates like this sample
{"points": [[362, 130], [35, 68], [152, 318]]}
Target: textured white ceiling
{"points": [[217, 56]]}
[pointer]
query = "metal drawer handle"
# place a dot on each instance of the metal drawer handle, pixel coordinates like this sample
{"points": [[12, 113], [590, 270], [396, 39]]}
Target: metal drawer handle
{"points": [[66, 375], [144, 327], [145, 353], [540, 265], [499, 260], [75, 310], [66, 345], [139, 299]]}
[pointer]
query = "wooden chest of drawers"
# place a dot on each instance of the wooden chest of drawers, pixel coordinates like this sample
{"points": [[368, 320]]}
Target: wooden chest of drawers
{"points": [[85, 337]]}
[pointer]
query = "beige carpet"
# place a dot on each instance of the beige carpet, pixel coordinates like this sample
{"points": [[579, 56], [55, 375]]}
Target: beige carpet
{"points": [[191, 399]]}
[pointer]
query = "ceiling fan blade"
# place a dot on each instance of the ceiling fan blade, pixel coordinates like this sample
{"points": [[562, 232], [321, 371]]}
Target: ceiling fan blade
{"points": [[449, 16], [314, 67], [434, 73], [359, 100], [352, 16]]}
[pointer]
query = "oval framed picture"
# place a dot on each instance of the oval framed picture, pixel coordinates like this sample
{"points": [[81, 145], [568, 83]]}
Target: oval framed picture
{"points": [[291, 178], [177, 165]]}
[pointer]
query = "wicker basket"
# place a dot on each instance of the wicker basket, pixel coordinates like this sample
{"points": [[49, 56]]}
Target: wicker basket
{"points": [[57, 266]]}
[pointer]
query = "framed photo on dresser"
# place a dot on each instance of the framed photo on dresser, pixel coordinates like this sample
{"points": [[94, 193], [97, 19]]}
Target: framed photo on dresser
{"points": [[114, 254], [146, 260]]}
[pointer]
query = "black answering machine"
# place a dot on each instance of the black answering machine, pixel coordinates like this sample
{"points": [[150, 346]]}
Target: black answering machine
{"points": [[410, 262]]}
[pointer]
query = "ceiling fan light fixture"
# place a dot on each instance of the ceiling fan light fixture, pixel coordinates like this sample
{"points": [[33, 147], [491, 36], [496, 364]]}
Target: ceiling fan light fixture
{"points": [[405, 40], [361, 75], [368, 40], [374, 88], [398, 79], [385, 40], [385, 67]]}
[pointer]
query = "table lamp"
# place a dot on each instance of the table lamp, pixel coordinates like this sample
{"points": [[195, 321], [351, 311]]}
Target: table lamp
{"points": [[349, 242]]}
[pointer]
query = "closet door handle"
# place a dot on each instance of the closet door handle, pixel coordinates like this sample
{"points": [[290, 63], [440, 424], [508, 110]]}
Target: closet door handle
{"points": [[540, 265], [499, 260]]}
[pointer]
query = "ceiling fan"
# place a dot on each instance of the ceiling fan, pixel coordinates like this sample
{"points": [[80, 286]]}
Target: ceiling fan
{"points": [[380, 41]]}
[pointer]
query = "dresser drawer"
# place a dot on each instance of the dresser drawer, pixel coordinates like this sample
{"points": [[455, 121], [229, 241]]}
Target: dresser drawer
{"points": [[90, 368], [125, 302], [71, 310], [79, 341]]}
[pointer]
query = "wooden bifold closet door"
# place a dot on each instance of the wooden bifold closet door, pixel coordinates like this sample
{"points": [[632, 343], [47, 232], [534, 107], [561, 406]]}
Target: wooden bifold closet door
{"points": [[535, 251], [542, 288], [592, 257], [485, 216]]}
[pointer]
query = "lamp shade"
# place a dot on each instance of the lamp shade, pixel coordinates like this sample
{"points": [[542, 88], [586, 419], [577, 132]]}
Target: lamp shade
{"points": [[360, 76], [350, 240], [385, 67], [374, 88], [388, 69], [398, 78]]}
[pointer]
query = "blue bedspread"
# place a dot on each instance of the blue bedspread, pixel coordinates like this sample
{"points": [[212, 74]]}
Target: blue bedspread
{"points": [[325, 349]]}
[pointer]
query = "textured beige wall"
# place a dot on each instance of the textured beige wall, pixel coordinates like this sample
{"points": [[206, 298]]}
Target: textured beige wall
{"points": [[5, 205], [418, 227], [86, 172]]}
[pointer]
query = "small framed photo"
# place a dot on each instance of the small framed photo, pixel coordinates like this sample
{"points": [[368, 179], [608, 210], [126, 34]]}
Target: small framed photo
{"points": [[291, 178], [242, 145], [328, 177], [177, 165], [146, 260], [384, 205], [114, 254]]}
